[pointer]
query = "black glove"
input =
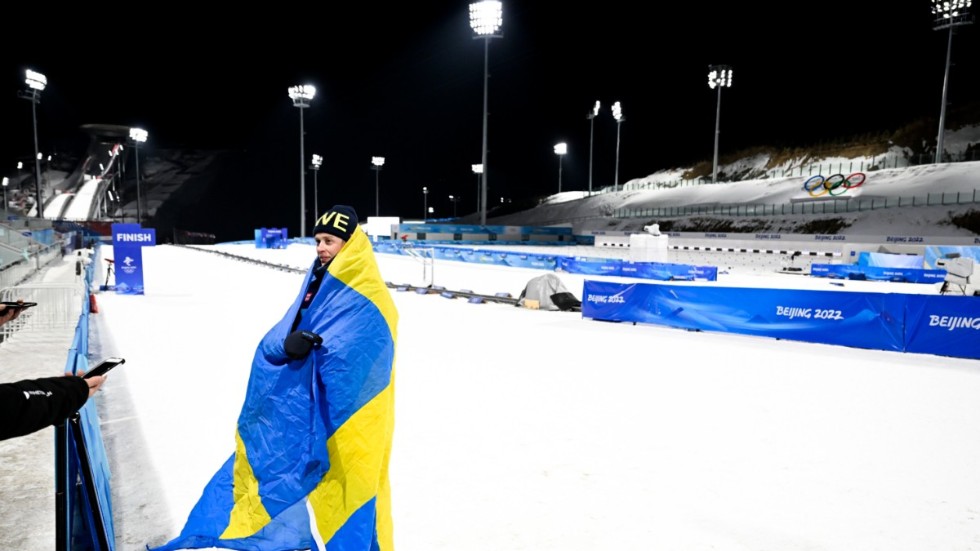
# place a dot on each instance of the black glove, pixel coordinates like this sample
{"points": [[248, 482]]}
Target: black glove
{"points": [[298, 344]]}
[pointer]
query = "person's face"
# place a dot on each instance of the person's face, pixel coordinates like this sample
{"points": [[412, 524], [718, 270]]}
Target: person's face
{"points": [[327, 246]]}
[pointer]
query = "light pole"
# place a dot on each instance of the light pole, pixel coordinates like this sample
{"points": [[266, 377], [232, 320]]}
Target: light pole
{"points": [[5, 182], [560, 150], [453, 199], [317, 161], [138, 136], [301, 96], [425, 204], [719, 76], [617, 112], [486, 17], [478, 170], [36, 82], [378, 162], [948, 14], [591, 116]]}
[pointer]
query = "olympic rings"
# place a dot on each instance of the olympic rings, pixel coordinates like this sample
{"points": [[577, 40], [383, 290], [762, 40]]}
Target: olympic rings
{"points": [[838, 184]]}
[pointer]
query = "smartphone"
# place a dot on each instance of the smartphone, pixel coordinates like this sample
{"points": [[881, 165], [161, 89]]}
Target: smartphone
{"points": [[13, 305], [104, 367]]}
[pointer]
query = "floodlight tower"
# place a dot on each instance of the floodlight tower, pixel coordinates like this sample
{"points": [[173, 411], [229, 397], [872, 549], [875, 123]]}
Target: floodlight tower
{"points": [[138, 136], [617, 112], [560, 149], [948, 14], [425, 203], [302, 96], [591, 116], [454, 199], [719, 76], [36, 83], [486, 17], [6, 181], [478, 170], [315, 165], [378, 162]]}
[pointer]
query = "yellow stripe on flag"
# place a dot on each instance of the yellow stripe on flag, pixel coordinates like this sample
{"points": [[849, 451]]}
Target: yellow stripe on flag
{"points": [[248, 515], [359, 271], [359, 452]]}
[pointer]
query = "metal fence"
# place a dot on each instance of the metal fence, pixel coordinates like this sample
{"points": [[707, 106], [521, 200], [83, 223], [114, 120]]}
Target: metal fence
{"points": [[58, 306], [29, 263], [809, 207], [859, 165]]}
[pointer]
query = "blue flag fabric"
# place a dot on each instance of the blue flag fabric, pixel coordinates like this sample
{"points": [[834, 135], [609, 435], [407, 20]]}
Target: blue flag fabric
{"points": [[313, 439]]}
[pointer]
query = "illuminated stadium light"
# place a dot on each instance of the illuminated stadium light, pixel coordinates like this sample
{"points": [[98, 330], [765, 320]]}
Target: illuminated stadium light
{"points": [[454, 199], [138, 136], [36, 83], [302, 96], [478, 170], [378, 162], [560, 149], [719, 76], [591, 116], [948, 14], [617, 113], [315, 165], [486, 18]]}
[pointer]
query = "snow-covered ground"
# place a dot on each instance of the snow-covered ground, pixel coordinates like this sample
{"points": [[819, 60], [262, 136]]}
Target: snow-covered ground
{"points": [[523, 429]]}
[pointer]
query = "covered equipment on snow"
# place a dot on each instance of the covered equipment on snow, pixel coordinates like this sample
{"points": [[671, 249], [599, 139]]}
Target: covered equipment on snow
{"points": [[547, 292]]}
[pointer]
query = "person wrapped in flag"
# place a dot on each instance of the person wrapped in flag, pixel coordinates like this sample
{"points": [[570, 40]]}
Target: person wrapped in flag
{"points": [[313, 440]]}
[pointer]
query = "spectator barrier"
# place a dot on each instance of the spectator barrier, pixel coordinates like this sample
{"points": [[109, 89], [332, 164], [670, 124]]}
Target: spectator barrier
{"points": [[897, 267], [575, 265], [877, 273], [82, 491], [473, 233], [940, 325]]}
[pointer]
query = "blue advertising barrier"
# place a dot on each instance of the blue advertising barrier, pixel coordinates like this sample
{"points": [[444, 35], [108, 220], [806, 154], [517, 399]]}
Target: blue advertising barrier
{"points": [[591, 266], [941, 325], [500, 233], [445, 253], [877, 273], [481, 257], [668, 272], [128, 241], [83, 509], [45, 236], [861, 320], [271, 238], [574, 265], [890, 260], [530, 261]]}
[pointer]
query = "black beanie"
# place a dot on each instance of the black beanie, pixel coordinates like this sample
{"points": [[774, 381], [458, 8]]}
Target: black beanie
{"points": [[340, 221]]}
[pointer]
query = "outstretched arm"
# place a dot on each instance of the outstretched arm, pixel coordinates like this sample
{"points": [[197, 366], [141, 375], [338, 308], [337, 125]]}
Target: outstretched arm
{"points": [[31, 405]]}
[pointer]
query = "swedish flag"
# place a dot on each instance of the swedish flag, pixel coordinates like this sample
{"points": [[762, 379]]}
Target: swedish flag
{"points": [[313, 439]]}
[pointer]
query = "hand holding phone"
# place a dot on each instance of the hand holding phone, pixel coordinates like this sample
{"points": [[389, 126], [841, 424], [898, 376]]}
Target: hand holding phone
{"points": [[17, 305], [104, 367]]}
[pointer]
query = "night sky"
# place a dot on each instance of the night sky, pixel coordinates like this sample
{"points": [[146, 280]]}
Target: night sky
{"points": [[406, 82]]}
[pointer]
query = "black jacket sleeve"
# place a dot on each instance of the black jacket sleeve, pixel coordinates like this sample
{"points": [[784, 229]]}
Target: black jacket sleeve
{"points": [[31, 405]]}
